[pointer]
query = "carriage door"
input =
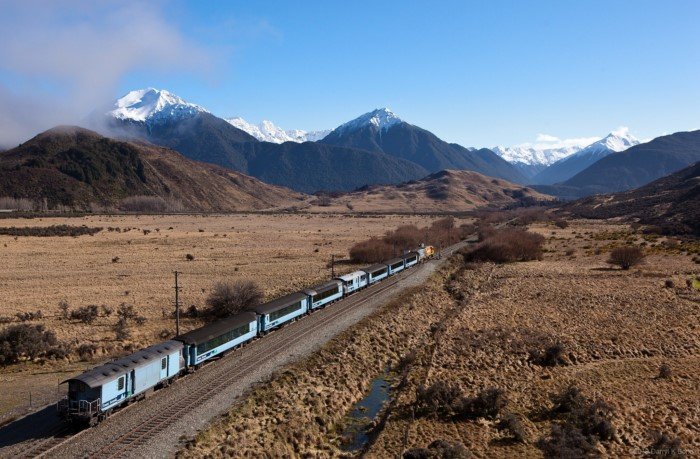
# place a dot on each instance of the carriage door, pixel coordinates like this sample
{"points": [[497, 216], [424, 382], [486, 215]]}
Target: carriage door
{"points": [[164, 367], [132, 382]]}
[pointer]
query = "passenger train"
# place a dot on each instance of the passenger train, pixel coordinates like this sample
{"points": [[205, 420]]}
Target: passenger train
{"points": [[93, 395]]}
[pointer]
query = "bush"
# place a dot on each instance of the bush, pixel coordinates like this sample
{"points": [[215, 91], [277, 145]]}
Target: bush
{"points": [[487, 404], [86, 314], [626, 257], [26, 316], [505, 246], [27, 341], [439, 449], [121, 330], [127, 312], [438, 399], [86, 351], [567, 442], [665, 446], [232, 297], [561, 224], [50, 231], [63, 306], [512, 425], [665, 371], [371, 251], [549, 357], [189, 257]]}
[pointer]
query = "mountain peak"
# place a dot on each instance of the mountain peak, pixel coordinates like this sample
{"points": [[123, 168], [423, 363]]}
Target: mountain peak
{"points": [[267, 131], [150, 105], [381, 118]]}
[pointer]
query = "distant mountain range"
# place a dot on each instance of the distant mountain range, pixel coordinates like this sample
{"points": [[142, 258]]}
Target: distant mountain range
{"points": [[671, 202], [631, 168], [571, 165], [77, 168], [266, 131], [341, 161]]}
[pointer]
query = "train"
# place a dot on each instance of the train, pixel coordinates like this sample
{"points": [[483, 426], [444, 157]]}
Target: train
{"points": [[95, 394]]}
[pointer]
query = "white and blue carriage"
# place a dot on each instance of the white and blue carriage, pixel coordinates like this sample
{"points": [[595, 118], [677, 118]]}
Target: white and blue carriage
{"points": [[95, 393]]}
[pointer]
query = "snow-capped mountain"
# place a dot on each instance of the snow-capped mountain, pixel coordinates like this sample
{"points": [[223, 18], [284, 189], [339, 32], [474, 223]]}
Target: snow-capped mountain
{"points": [[267, 131], [381, 119], [618, 140], [534, 156], [153, 106], [615, 142]]}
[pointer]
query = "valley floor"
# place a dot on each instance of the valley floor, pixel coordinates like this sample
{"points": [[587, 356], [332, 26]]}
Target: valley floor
{"points": [[474, 327], [132, 261]]}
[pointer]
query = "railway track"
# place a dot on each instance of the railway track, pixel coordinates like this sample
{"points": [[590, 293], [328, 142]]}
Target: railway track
{"points": [[216, 376]]}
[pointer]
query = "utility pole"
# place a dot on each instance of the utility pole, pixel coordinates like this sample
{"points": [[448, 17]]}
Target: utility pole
{"points": [[332, 266], [177, 304]]}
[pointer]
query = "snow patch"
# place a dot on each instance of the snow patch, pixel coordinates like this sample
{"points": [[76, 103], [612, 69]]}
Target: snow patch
{"points": [[267, 131], [151, 106]]}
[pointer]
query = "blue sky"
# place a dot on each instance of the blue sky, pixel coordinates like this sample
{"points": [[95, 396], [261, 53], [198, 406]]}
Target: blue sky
{"points": [[479, 73]]}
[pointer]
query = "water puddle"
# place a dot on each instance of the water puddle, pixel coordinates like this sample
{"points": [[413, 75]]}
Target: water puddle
{"points": [[361, 419]]}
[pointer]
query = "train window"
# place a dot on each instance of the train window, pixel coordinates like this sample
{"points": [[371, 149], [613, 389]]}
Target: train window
{"points": [[163, 363], [120, 383]]}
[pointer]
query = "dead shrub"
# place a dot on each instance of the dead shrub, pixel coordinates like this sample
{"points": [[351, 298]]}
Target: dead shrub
{"points": [[189, 257], [486, 404], [512, 425], [626, 257], [665, 371], [550, 356], [127, 312], [665, 446], [63, 306], [86, 351], [28, 341], [437, 399], [121, 330], [231, 297], [563, 224], [27, 316], [567, 442], [505, 246], [85, 314]]}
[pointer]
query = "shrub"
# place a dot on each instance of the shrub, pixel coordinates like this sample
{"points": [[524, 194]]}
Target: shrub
{"points": [[437, 399], [63, 306], [86, 314], [189, 257], [439, 449], [121, 330], [27, 341], [549, 357], [86, 351], [561, 224], [669, 283], [487, 404], [626, 257], [127, 312], [665, 446], [570, 399], [231, 297], [49, 231], [567, 442], [115, 259], [26, 316], [512, 425], [371, 251], [506, 245], [665, 371]]}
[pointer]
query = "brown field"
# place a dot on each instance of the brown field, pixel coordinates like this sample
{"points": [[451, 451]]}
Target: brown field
{"points": [[283, 253], [617, 329]]}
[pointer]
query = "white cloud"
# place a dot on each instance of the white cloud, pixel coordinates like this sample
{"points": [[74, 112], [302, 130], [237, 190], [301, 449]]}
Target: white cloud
{"points": [[62, 60], [547, 138]]}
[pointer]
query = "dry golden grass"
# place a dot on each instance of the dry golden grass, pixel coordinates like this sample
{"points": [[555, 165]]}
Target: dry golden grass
{"points": [[282, 253], [617, 328]]}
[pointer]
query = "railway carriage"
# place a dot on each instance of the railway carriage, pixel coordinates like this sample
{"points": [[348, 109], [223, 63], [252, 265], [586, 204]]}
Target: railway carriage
{"points": [[396, 265], [216, 338], [282, 310], [410, 259], [323, 294], [353, 281], [93, 394], [377, 272]]}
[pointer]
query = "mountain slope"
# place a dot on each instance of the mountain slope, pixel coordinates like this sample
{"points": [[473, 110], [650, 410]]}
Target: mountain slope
{"points": [[566, 168], [76, 167], [444, 191], [382, 131], [671, 202], [530, 161]]}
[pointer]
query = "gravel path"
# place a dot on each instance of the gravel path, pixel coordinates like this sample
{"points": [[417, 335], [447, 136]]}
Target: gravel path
{"points": [[193, 402]]}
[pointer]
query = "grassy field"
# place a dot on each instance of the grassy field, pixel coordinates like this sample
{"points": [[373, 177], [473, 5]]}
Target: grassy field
{"points": [[133, 263], [475, 328]]}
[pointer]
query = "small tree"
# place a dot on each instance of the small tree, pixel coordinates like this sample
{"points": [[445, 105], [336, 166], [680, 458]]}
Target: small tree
{"points": [[626, 257], [229, 298]]}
